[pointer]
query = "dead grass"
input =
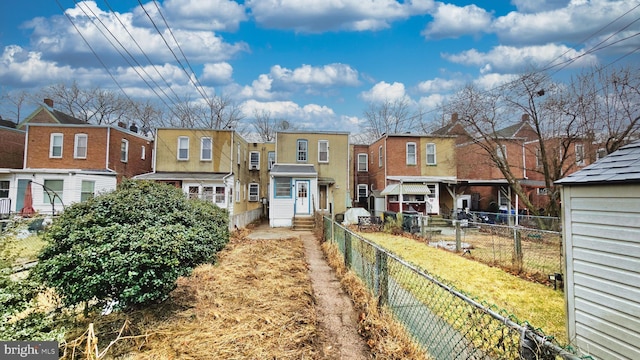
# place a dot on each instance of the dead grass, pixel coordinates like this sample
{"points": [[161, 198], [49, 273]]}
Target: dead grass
{"points": [[385, 337], [256, 303], [540, 305]]}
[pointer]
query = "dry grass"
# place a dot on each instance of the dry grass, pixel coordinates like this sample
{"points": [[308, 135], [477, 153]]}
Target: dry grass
{"points": [[386, 338], [256, 303], [540, 305]]}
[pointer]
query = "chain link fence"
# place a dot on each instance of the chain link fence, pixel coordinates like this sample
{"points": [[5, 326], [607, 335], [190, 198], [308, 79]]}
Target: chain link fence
{"points": [[445, 322]]}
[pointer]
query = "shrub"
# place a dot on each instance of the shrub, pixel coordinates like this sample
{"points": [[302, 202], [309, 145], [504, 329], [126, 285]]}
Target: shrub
{"points": [[130, 245]]}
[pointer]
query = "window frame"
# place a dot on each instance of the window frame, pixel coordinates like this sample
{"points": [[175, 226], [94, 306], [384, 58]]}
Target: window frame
{"points": [[321, 144], [366, 191], [366, 162], [143, 153], [431, 154], [3, 189], [83, 192], [254, 192], [501, 154], [254, 165], [580, 161], [203, 148], [76, 147], [380, 158], [279, 184], [48, 186], [271, 159], [410, 161], [52, 145], [178, 154], [300, 151], [124, 150]]}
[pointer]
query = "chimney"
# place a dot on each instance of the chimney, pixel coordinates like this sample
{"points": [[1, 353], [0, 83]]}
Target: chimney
{"points": [[454, 117], [48, 102], [525, 117], [133, 128], [122, 125]]}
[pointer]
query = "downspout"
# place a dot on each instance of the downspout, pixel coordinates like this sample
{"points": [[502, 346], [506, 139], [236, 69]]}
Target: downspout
{"points": [[224, 178], [524, 163], [26, 147], [154, 157]]}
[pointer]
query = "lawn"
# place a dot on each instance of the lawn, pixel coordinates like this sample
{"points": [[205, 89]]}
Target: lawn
{"points": [[535, 303]]}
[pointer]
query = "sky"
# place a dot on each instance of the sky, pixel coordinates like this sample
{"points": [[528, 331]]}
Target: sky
{"points": [[317, 63]]}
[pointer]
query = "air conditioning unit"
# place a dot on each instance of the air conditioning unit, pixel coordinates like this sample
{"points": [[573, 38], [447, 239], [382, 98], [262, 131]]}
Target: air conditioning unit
{"points": [[253, 167], [253, 198]]}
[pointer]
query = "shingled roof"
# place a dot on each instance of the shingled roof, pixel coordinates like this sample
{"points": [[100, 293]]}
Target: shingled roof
{"points": [[621, 166]]}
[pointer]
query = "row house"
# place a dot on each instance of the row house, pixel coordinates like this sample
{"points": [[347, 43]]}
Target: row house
{"points": [[12, 141], [406, 173], [311, 173], [67, 160], [215, 165]]}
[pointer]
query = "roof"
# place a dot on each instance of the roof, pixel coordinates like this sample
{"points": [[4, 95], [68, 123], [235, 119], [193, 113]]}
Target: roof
{"points": [[7, 123], [168, 175], [423, 179], [293, 170], [408, 189], [66, 119], [621, 166]]}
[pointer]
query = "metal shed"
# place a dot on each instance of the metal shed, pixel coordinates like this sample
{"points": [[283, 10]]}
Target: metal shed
{"points": [[601, 231]]}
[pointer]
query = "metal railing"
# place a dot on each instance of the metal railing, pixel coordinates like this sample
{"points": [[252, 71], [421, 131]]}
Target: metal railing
{"points": [[445, 322]]}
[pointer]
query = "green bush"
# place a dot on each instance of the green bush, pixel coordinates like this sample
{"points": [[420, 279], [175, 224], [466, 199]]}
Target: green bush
{"points": [[130, 245]]}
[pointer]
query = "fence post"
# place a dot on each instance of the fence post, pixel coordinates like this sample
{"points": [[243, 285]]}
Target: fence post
{"points": [[347, 249], [382, 277], [458, 236], [517, 249]]}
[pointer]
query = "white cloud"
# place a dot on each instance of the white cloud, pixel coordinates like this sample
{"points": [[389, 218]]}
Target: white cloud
{"points": [[306, 117], [528, 6], [327, 75], [259, 88], [490, 81], [433, 101], [196, 14], [451, 21], [505, 59], [27, 68], [576, 21], [384, 91], [323, 15], [439, 85], [218, 73]]}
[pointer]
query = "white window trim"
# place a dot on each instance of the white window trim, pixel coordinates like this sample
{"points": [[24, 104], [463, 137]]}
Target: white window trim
{"points": [[415, 155], [306, 151], [366, 162], [202, 140], [143, 154], [579, 162], [366, 190], [76, 139], [178, 152], [320, 152], [256, 196], [124, 158], [270, 160], [52, 136], [253, 166], [502, 154], [380, 156], [435, 151]]}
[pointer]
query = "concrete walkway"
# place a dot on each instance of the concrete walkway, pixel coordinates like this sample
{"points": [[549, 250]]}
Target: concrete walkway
{"points": [[337, 320]]}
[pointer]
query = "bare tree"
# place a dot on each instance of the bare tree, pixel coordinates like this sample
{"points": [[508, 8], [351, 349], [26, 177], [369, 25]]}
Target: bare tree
{"points": [[391, 117], [18, 100], [267, 127], [217, 112]]}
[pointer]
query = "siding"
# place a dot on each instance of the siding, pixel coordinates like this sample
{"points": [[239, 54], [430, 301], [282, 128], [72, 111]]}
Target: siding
{"points": [[602, 249]]}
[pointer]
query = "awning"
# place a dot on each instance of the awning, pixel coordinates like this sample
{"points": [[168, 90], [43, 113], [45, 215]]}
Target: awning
{"points": [[408, 189], [326, 181]]}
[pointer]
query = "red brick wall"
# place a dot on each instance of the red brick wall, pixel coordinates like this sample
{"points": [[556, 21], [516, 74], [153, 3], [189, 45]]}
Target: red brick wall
{"points": [[12, 152], [397, 157], [135, 165], [41, 117], [39, 138]]}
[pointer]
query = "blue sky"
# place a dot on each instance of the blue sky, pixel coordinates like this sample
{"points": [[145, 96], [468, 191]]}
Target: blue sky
{"points": [[317, 63]]}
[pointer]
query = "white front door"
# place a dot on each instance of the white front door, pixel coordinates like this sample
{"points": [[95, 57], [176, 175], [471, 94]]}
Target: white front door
{"points": [[302, 197]]}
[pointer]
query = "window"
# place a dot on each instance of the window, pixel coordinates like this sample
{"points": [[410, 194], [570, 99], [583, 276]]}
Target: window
{"points": [[431, 154], [363, 191], [193, 192], [80, 146], [580, 154], [542, 191], [53, 190], [143, 153], [254, 160], [124, 151], [220, 195], [254, 192], [501, 152], [55, 146], [238, 190], [302, 151], [207, 193], [323, 151], [411, 153], [4, 189], [238, 154], [602, 152], [183, 148], [282, 187], [271, 158], [380, 156], [363, 162], [538, 157], [206, 145], [88, 190]]}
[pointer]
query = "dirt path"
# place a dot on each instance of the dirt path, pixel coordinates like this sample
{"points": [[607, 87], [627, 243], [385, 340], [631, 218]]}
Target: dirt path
{"points": [[337, 319]]}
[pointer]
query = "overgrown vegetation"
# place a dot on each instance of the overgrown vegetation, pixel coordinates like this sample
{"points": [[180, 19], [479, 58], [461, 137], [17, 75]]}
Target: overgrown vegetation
{"points": [[129, 246]]}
